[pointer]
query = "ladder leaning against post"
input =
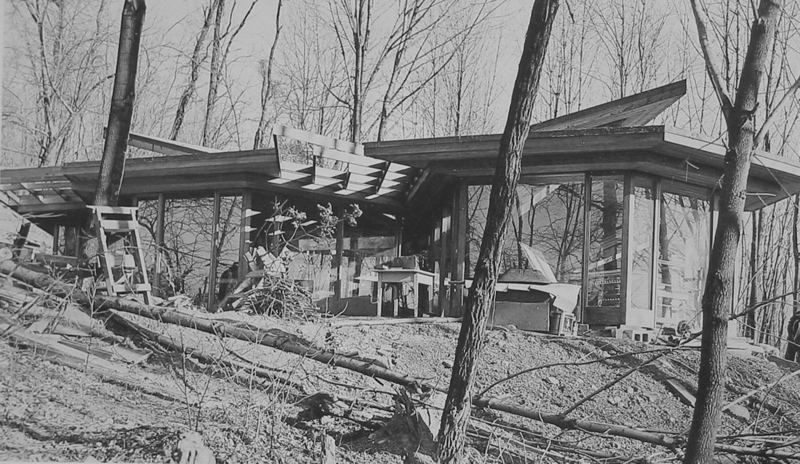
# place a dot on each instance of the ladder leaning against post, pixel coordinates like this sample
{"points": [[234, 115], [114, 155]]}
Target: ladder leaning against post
{"points": [[114, 223]]}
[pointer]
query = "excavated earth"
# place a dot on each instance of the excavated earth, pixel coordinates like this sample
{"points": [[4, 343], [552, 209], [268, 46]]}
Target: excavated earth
{"points": [[57, 413]]}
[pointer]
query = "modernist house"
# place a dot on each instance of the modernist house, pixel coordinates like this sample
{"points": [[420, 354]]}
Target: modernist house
{"points": [[622, 210]]}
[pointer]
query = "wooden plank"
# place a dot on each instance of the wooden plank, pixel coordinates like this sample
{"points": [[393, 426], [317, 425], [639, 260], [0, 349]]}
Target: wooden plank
{"points": [[120, 289], [116, 225], [141, 265], [165, 146], [244, 233], [622, 112], [317, 139], [458, 272], [161, 211], [112, 209], [212, 270]]}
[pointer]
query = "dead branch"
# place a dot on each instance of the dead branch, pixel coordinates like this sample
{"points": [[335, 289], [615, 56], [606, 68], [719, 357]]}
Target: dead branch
{"points": [[290, 344]]}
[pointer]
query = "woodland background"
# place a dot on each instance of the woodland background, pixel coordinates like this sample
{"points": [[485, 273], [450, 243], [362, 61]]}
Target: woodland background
{"points": [[221, 73]]}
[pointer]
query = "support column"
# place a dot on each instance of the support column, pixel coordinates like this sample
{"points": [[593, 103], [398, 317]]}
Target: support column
{"points": [[162, 209], [445, 245], [212, 271], [338, 262], [244, 232], [56, 239], [459, 234]]}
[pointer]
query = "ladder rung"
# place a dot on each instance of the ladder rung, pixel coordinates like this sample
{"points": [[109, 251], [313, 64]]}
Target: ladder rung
{"points": [[123, 288], [113, 225], [114, 209]]}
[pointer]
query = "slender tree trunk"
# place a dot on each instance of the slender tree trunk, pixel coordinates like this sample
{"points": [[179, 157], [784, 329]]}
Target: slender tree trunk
{"points": [[119, 117], [213, 73], [755, 277], [266, 84], [718, 296], [194, 72], [481, 295]]}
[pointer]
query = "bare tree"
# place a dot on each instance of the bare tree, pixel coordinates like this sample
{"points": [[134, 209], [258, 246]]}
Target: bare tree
{"points": [[119, 117], [223, 37], [266, 82], [481, 294], [197, 59], [743, 140], [59, 77]]}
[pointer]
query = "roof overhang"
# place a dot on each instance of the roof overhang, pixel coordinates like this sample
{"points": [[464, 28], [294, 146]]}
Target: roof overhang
{"points": [[649, 149]]}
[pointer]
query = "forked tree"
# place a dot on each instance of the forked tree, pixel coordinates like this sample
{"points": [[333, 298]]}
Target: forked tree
{"points": [[743, 141], [507, 171]]}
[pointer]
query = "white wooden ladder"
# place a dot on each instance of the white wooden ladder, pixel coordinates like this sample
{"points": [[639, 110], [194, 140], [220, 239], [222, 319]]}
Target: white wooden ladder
{"points": [[124, 266]]}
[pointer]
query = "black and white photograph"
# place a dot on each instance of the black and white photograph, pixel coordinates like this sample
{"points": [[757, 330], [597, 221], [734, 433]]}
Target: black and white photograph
{"points": [[400, 231]]}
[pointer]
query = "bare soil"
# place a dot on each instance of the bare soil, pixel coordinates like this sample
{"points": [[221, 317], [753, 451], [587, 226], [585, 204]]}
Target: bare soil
{"points": [[56, 413]]}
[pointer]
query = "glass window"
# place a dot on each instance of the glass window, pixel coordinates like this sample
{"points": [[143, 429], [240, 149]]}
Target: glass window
{"points": [[683, 249], [641, 243], [546, 222], [605, 250]]}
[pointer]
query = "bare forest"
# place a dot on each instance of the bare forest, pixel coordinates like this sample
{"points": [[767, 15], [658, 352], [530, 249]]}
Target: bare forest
{"points": [[217, 364]]}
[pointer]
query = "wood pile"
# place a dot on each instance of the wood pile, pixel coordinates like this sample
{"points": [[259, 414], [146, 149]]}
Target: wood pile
{"points": [[274, 296]]}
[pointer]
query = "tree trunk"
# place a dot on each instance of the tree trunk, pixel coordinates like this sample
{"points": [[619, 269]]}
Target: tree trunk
{"points": [[119, 117], [194, 72], [481, 295], [266, 84], [213, 74], [755, 275], [718, 295]]}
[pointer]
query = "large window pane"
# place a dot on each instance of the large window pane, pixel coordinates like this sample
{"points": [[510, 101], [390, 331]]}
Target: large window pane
{"points": [[603, 301], [547, 218], [683, 248], [641, 239]]}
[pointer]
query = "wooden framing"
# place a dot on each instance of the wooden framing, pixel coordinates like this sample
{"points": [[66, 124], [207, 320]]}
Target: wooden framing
{"points": [[212, 270], [160, 224], [633, 110], [244, 231]]}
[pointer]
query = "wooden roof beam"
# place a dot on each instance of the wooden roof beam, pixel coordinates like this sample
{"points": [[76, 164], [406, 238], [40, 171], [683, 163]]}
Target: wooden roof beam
{"points": [[624, 112], [165, 146], [320, 140]]}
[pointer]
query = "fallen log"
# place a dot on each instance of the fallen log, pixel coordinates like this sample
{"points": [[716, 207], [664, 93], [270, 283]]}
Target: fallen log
{"points": [[273, 338], [206, 358], [393, 321], [52, 350], [287, 343]]}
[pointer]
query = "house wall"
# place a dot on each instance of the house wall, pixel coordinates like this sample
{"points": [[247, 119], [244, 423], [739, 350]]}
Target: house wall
{"points": [[636, 244]]}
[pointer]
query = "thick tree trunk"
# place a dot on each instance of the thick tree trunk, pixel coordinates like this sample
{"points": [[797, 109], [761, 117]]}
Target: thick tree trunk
{"points": [[119, 117], [481, 295], [718, 295]]}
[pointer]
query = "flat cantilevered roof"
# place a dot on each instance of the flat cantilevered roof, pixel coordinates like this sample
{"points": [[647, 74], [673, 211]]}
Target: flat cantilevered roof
{"points": [[653, 150], [396, 174], [191, 171]]}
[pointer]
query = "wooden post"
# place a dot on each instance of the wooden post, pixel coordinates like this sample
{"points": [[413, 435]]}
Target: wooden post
{"points": [[656, 254], [337, 291], [244, 234], [212, 271], [627, 257], [587, 217], [162, 209], [459, 235], [436, 245], [56, 237]]}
